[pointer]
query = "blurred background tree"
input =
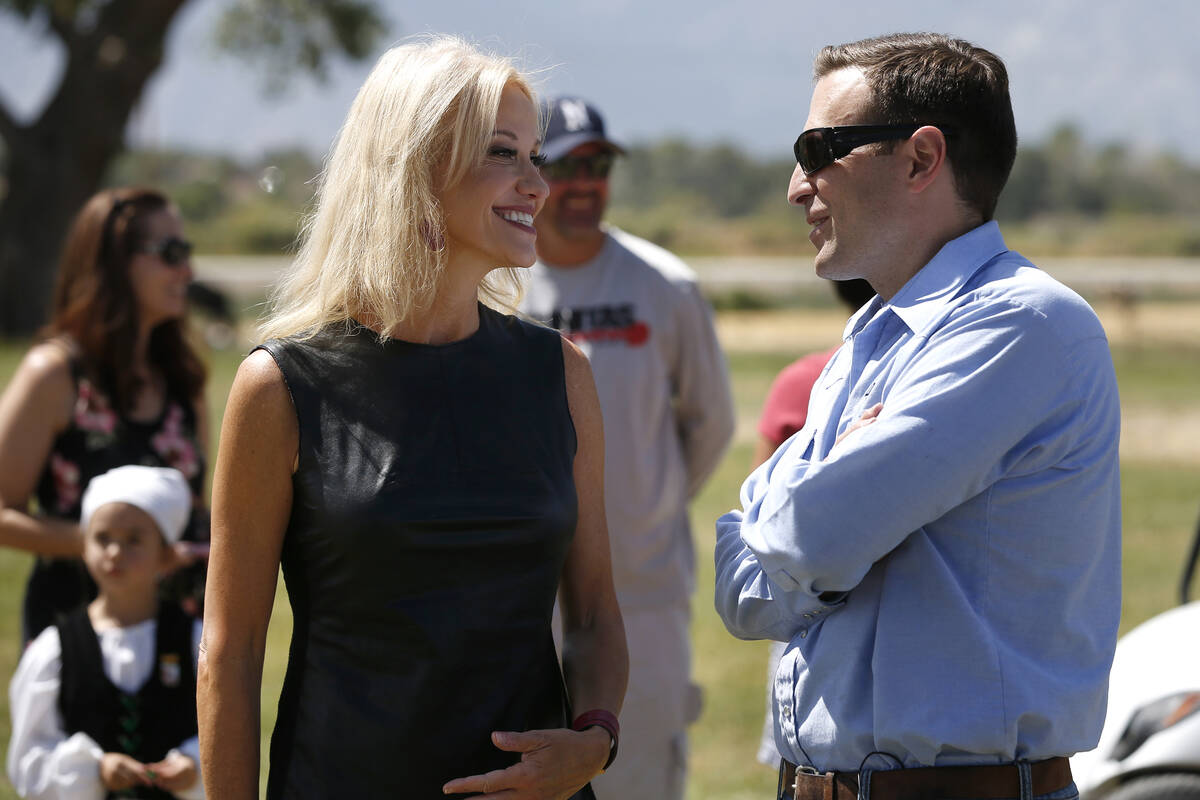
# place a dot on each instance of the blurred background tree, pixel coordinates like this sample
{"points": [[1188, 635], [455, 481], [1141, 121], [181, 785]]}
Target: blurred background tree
{"points": [[53, 163]]}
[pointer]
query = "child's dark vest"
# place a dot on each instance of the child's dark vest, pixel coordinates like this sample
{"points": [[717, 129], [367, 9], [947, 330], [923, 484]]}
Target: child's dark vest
{"points": [[144, 725]]}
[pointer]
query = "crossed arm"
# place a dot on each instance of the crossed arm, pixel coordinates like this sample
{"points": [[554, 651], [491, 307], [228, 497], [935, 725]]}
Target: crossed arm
{"points": [[994, 390]]}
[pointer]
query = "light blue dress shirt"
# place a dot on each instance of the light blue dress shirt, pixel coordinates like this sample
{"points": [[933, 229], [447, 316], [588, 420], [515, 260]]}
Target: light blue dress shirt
{"points": [[948, 577]]}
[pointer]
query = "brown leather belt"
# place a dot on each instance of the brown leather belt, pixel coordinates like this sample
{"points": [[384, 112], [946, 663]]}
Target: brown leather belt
{"points": [[925, 783]]}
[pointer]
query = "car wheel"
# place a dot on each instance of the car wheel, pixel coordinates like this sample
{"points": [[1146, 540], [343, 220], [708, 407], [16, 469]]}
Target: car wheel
{"points": [[1172, 786]]}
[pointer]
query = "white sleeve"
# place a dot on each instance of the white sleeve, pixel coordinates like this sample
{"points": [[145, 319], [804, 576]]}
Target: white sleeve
{"points": [[43, 762]]}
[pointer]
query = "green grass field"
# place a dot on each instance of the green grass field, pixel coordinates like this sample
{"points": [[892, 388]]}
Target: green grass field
{"points": [[1160, 385]]}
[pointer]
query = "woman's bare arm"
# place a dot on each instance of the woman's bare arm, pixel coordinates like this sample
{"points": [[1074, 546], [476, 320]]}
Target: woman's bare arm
{"points": [[252, 497], [34, 409], [595, 659]]}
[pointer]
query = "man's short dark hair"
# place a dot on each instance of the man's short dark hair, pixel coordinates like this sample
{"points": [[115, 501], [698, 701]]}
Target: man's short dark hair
{"points": [[932, 79]]}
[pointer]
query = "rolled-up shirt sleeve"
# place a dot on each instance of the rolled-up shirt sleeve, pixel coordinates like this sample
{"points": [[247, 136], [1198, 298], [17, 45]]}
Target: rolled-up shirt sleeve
{"points": [[751, 604], [987, 396]]}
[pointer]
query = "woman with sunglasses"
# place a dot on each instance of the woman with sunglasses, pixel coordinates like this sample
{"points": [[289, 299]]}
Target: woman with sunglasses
{"points": [[427, 468], [113, 381]]}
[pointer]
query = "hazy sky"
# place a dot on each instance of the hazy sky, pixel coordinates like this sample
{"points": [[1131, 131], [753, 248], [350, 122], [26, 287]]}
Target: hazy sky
{"points": [[735, 70]]}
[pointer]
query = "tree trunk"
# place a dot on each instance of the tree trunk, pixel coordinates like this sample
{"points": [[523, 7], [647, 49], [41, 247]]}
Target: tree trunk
{"points": [[57, 162]]}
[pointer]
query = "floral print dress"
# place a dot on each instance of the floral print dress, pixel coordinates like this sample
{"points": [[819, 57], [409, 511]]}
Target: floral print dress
{"points": [[97, 440]]}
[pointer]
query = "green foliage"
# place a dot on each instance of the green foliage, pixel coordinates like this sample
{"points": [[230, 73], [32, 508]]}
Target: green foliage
{"points": [[1064, 175], [1112, 234], [228, 207], [287, 35], [198, 184], [742, 299], [719, 180], [254, 226]]}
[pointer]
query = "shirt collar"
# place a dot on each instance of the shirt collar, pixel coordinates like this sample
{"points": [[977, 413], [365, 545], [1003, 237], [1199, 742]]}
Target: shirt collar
{"points": [[860, 318], [920, 300]]}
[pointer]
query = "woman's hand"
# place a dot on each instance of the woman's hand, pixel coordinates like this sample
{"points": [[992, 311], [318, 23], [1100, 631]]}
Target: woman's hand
{"points": [[119, 772], [554, 765]]}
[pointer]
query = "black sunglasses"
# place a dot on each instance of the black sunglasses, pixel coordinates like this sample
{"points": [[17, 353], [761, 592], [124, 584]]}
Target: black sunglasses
{"points": [[817, 148], [173, 251], [596, 166]]}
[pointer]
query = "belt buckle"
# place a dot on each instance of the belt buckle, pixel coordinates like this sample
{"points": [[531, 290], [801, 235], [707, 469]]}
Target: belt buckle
{"points": [[808, 771]]}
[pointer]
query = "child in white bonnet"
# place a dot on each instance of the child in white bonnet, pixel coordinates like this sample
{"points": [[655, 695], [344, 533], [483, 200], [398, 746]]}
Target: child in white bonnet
{"points": [[105, 700]]}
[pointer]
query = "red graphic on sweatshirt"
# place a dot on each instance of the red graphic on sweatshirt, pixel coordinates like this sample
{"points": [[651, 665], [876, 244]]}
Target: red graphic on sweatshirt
{"points": [[603, 324], [634, 335]]}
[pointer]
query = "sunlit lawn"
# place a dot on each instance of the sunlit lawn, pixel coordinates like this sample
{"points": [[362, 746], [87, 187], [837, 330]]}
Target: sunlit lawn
{"points": [[1161, 501]]}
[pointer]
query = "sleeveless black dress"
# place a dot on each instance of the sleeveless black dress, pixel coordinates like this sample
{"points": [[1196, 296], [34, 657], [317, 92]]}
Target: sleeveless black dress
{"points": [[433, 507]]}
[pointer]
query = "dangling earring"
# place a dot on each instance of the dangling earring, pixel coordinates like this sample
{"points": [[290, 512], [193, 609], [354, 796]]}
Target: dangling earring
{"points": [[434, 239]]}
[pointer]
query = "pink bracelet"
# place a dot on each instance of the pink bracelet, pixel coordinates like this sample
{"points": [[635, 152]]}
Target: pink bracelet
{"points": [[599, 718]]}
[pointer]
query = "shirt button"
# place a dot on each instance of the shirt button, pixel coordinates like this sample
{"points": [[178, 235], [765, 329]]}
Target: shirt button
{"points": [[804, 634], [786, 712]]}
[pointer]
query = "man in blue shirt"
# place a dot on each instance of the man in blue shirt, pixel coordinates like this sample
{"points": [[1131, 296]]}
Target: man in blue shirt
{"points": [[940, 544]]}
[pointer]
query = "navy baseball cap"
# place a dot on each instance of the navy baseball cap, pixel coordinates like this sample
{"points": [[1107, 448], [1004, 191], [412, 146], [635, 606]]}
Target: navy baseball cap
{"points": [[572, 121]]}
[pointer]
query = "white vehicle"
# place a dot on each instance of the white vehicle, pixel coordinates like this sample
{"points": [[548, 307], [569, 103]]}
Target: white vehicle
{"points": [[1150, 746]]}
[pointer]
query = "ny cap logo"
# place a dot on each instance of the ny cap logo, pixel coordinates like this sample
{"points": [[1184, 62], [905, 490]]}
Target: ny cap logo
{"points": [[575, 115]]}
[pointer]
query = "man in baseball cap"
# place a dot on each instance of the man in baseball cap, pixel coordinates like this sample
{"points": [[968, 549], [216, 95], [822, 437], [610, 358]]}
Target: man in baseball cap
{"points": [[637, 312]]}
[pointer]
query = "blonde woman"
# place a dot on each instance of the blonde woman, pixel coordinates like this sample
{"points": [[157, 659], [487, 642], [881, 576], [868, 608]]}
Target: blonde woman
{"points": [[427, 470]]}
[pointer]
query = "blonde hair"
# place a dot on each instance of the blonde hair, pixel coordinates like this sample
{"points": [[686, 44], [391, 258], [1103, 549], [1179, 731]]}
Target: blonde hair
{"points": [[374, 244]]}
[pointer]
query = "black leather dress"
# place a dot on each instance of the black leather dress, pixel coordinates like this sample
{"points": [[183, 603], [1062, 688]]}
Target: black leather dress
{"points": [[433, 507]]}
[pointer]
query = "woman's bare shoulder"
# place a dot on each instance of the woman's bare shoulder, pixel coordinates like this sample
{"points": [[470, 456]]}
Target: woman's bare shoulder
{"points": [[582, 399], [49, 361], [44, 378], [260, 384], [576, 368]]}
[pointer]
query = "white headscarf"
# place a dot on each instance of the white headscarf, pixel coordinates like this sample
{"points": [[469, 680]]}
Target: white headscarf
{"points": [[161, 492]]}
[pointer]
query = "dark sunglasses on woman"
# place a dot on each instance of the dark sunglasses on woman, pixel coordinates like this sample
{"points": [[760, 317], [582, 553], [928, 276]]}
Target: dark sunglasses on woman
{"points": [[817, 148], [173, 251]]}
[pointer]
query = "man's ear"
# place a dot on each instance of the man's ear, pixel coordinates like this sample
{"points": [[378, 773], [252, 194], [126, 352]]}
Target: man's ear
{"points": [[926, 154]]}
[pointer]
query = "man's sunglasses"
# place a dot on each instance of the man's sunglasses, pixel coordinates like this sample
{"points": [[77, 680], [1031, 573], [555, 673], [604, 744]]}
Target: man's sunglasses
{"points": [[595, 167], [817, 148], [173, 251]]}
